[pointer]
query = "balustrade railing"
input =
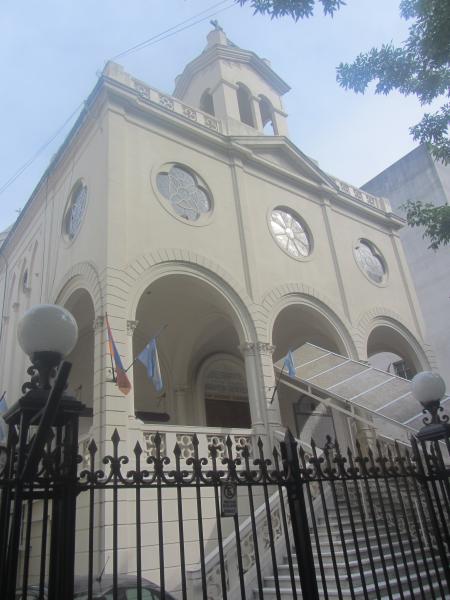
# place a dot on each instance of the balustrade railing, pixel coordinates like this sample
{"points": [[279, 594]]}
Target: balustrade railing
{"points": [[171, 435], [149, 94]]}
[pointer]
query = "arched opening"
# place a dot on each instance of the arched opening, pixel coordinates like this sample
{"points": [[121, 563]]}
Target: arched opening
{"points": [[81, 380], [207, 103], [244, 99], [389, 350], [267, 118], [294, 326], [198, 347], [223, 385]]}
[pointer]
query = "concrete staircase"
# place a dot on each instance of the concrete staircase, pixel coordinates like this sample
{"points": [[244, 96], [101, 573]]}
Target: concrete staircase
{"points": [[403, 571]]}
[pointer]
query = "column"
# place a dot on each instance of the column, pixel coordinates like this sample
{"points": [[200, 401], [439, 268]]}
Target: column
{"points": [[256, 110], [180, 414], [97, 325], [254, 386], [260, 383], [266, 351]]}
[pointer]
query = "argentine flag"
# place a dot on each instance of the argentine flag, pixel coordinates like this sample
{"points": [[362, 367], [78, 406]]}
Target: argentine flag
{"points": [[149, 358], [289, 364]]}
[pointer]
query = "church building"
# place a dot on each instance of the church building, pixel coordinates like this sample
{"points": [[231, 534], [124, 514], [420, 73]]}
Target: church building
{"points": [[194, 217]]}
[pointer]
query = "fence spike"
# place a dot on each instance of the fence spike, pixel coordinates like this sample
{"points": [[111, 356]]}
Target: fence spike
{"points": [[177, 450], [92, 447]]}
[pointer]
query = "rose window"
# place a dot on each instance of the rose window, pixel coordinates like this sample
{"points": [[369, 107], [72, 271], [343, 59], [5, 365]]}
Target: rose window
{"points": [[185, 192], [289, 233]]}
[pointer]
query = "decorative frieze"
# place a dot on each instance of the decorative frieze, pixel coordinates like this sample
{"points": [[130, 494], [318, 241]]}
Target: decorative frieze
{"points": [[253, 348], [142, 90], [166, 101], [211, 123], [190, 113]]}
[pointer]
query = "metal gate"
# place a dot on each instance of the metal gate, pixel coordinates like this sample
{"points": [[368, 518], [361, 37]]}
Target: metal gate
{"points": [[238, 522]]}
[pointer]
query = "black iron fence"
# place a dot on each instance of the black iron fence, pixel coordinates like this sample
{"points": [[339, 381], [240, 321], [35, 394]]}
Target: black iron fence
{"points": [[240, 522]]}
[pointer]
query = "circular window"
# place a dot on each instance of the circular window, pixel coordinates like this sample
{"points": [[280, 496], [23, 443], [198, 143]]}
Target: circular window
{"points": [[370, 261], [290, 233], [75, 211], [186, 192]]}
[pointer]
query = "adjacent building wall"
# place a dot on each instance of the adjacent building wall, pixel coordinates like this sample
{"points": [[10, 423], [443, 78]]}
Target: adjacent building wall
{"points": [[417, 176]]}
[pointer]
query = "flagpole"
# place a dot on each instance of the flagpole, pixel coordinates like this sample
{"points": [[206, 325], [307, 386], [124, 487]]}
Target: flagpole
{"points": [[276, 385], [157, 334], [110, 353]]}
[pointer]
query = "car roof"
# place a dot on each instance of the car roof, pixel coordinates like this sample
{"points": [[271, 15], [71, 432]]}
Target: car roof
{"points": [[107, 582], [105, 585]]}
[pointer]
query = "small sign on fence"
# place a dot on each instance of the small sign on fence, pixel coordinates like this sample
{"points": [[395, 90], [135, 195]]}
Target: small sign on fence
{"points": [[229, 499]]}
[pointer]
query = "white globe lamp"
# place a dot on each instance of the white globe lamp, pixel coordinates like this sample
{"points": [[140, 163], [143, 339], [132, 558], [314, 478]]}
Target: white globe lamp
{"points": [[429, 389], [47, 333]]}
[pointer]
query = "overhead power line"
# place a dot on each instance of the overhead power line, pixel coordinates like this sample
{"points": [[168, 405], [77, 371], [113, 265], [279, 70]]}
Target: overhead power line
{"points": [[25, 166], [178, 28], [171, 31]]}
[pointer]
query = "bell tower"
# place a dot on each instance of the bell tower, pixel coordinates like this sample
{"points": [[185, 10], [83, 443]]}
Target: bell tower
{"points": [[236, 86]]}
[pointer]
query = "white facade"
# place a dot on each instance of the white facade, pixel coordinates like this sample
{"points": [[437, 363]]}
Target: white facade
{"points": [[101, 236]]}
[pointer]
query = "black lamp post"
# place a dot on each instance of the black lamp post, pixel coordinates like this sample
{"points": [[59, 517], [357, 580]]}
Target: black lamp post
{"points": [[46, 333], [429, 389]]}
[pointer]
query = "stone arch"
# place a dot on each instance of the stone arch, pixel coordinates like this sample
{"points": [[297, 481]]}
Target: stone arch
{"points": [[146, 269], [79, 302], [81, 275], [397, 335], [283, 296], [205, 314]]}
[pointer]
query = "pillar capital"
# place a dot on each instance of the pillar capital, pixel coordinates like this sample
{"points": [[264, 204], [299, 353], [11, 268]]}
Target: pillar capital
{"points": [[97, 323], [256, 348], [131, 326]]}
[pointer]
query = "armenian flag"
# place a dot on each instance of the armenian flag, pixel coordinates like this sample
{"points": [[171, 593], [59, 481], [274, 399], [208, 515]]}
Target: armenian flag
{"points": [[122, 381]]}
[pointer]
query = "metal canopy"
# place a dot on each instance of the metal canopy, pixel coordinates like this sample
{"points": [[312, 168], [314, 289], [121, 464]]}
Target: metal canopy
{"points": [[329, 375]]}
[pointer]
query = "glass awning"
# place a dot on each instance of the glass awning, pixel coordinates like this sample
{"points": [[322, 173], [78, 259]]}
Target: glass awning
{"points": [[329, 375]]}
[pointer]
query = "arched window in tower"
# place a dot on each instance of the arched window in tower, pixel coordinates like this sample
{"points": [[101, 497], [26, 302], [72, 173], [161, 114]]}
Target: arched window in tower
{"points": [[244, 99], [267, 119], [207, 103]]}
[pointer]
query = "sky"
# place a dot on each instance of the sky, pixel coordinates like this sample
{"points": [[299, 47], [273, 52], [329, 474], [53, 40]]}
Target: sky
{"points": [[51, 52]]}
